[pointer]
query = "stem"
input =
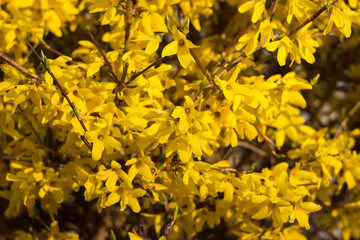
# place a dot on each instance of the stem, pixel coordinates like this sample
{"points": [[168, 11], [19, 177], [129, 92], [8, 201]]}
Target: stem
{"points": [[201, 67], [273, 9], [229, 51], [15, 158], [133, 77], [110, 66], [19, 67], [346, 120], [59, 53], [29, 53], [128, 13], [59, 86], [291, 33], [310, 19], [269, 143], [125, 69], [29, 123], [252, 148]]}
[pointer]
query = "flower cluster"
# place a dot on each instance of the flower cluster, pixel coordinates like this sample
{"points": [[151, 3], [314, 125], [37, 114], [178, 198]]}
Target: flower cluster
{"points": [[125, 123]]}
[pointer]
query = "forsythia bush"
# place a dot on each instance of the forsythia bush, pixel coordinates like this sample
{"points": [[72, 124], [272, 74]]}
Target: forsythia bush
{"points": [[177, 119]]}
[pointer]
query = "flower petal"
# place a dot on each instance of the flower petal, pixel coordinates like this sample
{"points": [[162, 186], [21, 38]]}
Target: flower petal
{"points": [[98, 148], [112, 142], [170, 49], [184, 56]]}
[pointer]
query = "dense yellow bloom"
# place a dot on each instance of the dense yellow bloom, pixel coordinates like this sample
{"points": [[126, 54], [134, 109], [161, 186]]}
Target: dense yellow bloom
{"points": [[180, 46], [187, 114], [102, 140], [164, 130], [258, 6]]}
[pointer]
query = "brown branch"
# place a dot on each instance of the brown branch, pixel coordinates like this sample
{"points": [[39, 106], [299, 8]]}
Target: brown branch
{"points": [[252, 148], [29, 123], [110, 66], [229, 51], [232, 64], [271, 145], [60, 54], [29, 53], [133, 77], [128, 13], [346, 120], [211, 81], [306, 184], [273, 9], [311, 18], [59, 86], [125, 69], [19, 67], [291, 33], [15, 158]]}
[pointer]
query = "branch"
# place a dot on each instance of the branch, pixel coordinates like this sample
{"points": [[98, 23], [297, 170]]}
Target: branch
{"points": [[19, 67], [111, 67], [59, 86], [201, 67], [229, 51], [271, 145], [312, 18], [346, 120], [29, 123], [128, 13], [67, 98], [273, 9], [54, 50], [291, 33], [15, 158], [252, 148], [133, 77]]}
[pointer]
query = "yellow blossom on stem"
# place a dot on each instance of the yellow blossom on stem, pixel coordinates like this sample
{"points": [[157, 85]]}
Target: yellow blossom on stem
{"points": [[179, 46], [100, 141], [186, 114]]}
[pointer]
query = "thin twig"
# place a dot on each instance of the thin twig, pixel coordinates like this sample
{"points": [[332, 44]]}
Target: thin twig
{"points": [[120, 87], [310, 19], [252, 148], [60, 54], [306, 184], [19, 67], [133, 77], [29, 53], [29, 123], [15, 158], [151, 147], [229, 51], [201, 67], [161, 171], [110, 66], [291, 33], [273, 9], [232, 64], [86, 142], [128, 13], [271, 145], [346, 120], [60, 87], [125, 69]]}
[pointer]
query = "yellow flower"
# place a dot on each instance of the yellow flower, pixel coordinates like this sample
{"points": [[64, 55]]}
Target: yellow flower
{"points": [[186, 114], [284, 46], [258, 6], [127, 196], [100, 141], [231, 88], [179, 46]]}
